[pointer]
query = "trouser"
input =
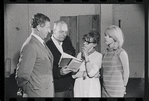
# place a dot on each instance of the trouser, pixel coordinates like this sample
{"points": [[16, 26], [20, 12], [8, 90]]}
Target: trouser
{"points": [[38, 93], [67, 93], [30, 91]]}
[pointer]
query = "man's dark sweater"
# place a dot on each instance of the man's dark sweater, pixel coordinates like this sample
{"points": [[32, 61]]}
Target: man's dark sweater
{"points": [[61, 82]]}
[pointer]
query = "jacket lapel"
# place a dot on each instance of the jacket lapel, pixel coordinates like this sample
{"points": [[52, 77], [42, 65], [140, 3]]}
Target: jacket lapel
{"points": [[49, 52], [44, 48]]}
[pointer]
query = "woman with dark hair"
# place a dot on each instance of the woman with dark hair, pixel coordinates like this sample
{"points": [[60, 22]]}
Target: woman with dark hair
{"points": [[87, 82]]}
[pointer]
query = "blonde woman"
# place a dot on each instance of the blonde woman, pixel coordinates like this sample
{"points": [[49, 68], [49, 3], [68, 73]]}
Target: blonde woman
{"points": [[115, 64]]}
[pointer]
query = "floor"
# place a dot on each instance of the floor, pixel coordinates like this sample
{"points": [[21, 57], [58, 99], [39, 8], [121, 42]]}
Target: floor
{"points": [[135, 87]]}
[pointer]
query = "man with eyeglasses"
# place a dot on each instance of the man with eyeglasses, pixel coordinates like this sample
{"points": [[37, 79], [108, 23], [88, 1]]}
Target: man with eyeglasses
{"points": [[62, 78]]}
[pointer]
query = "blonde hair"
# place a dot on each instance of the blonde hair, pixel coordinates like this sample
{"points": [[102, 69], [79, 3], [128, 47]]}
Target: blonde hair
{"points": [[116, 33]]}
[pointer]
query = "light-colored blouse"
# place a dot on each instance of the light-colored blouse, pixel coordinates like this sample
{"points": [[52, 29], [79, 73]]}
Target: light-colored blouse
{"points": [[89, 87]]}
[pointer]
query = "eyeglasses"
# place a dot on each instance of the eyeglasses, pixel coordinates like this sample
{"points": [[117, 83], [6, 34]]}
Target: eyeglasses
{"points": [[88, 42]]}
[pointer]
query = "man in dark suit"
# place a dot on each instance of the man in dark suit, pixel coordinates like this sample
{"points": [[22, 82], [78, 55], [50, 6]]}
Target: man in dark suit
{"points": [[34, 70], [62, 77]]}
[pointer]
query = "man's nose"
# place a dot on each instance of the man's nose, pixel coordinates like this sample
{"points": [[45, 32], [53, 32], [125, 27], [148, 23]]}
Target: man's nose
{"points": [[65, 33], [49, 30]]}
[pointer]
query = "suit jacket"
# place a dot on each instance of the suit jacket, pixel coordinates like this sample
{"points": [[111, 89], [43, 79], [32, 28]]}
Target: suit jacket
{"points": [[61, 82], [34, 70]]}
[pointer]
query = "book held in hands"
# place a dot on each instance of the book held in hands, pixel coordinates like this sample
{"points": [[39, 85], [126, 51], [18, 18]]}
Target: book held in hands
{"points": [[71, 62]]}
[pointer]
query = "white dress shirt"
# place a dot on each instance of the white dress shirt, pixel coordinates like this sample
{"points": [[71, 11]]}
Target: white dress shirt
{"points": [[57, 44]]}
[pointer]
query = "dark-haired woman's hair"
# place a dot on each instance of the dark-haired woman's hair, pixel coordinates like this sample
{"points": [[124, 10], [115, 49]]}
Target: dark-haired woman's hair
{"points": [[93, 34]]}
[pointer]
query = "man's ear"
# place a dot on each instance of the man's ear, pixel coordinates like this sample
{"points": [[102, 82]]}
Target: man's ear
{"points": [[38, 27], [54, 31]]}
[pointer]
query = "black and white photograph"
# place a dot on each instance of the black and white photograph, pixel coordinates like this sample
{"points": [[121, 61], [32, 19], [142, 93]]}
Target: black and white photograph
{"points": [[105, 43]]}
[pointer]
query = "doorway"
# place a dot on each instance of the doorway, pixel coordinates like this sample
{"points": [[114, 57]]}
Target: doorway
{"points": [[80, 25]]}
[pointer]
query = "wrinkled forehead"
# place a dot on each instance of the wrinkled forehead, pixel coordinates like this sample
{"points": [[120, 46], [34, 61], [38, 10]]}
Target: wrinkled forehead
{"points": [[62, 27], [47, 23]]}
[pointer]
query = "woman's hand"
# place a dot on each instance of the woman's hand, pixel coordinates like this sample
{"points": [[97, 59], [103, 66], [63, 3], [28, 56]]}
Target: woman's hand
{"points": [[85, 53]]}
